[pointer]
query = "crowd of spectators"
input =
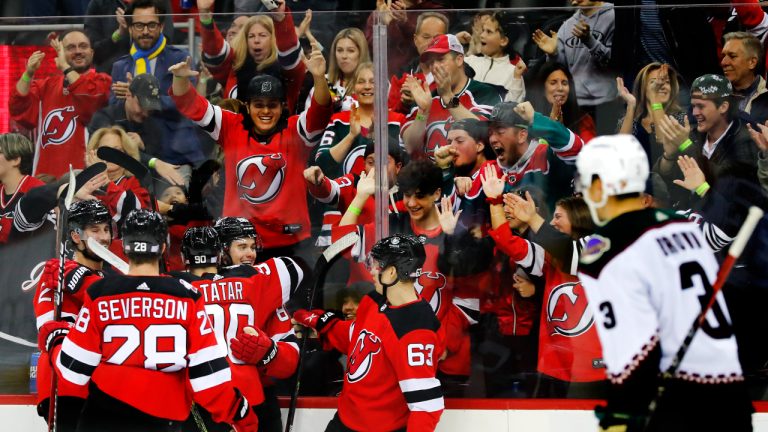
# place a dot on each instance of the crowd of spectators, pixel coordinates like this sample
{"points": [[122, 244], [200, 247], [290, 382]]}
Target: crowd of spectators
{"points": [[487, 110]]}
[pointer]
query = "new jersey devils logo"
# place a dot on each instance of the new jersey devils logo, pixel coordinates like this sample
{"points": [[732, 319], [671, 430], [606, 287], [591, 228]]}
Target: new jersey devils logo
{"points": [[429, 285], [436, 135], [361, 357], [568, 312], [59, 126], [260, 177]]}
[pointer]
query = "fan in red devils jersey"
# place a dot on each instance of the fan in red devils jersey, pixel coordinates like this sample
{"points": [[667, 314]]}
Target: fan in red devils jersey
{"points": [[145, 344], [16, 155], [87, 219], [569, 347], [265, 152], [270, 284], [60, 107], [392, 347]]}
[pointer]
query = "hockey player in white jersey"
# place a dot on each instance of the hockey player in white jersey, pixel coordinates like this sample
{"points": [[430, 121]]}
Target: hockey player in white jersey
{"points": [[647, 274]]}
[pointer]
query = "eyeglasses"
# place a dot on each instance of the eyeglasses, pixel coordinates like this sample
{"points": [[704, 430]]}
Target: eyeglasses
{"points": [[139, 26]]}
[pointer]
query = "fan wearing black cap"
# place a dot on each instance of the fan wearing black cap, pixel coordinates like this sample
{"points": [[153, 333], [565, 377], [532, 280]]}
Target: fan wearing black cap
{"points": [[265, 151], [532, 150], [456, 97]]}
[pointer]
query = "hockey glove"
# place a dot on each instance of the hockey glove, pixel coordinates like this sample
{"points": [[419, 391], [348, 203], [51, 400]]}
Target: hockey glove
{"points": [[317, 319], [74, 275], [51, 334], [254, 347], [244, 419]]}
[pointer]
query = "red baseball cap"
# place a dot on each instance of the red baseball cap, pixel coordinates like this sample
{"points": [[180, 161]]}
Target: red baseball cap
{"points": [[442, 44]]}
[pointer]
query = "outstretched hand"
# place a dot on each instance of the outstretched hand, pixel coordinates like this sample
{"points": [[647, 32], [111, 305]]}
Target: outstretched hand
{"points": [[493, 185], [448, 219], [693, 175], [183, 69]]}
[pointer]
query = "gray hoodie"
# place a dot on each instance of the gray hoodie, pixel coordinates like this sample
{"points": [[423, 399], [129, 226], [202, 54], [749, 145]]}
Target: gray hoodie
{"points": [[588, 61]]}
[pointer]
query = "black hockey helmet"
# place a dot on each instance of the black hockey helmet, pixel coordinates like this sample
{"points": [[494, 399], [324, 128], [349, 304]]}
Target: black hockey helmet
{"points": [[144, 233], [265, 86], [235, 228], [200, 246], [403, 251], [88, 212]]}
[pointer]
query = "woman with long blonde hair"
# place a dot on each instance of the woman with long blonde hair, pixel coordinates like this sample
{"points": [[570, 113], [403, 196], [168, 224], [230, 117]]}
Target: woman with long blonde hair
{"points": [[267, 44], [348, 51]]}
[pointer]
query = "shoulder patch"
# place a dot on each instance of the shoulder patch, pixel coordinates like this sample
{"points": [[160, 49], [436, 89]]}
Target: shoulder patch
{"points": [[594, 248]]}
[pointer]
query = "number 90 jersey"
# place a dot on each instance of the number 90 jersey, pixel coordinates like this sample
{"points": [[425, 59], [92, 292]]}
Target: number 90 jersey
{"points": [[647, 275]]}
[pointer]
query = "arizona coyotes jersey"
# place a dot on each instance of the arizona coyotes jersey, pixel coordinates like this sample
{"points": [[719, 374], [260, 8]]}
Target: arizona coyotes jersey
{"points": [[60, 116], [548, 164], [219, 58], [77, 279], [10, 221], [569, 348], [478, 97], [647, 274], [455, 313], [147, 342], [354, 161], [266, 179], [392, 353]]}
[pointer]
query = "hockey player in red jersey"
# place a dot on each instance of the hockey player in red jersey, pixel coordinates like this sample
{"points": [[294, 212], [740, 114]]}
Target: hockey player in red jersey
{"points": [[392, 347], [87, 219], [60, 107], [265, 151], [145, 344], [274, 348]]}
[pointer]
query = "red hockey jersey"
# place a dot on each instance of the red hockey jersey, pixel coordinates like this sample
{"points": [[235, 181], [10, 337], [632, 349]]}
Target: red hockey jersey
{"points": [[77, 279], [392, 357], [8, 202], [147, 341], [569, 348], [60, 116], [265, 180], [219, 58]]}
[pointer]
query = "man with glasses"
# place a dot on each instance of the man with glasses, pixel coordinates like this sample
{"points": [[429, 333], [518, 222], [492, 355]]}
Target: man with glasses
{"points": [[150, 51]]}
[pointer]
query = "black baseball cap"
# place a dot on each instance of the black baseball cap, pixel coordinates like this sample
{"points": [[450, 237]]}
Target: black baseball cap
{"points": [[504, 113], [146, 88]]}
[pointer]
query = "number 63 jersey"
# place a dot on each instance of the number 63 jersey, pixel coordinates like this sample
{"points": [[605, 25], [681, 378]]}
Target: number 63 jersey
{"points": [[647, 275], [392, 359]]}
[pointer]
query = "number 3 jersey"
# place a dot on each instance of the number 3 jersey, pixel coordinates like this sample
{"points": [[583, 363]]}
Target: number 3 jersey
{"points": [[147, 342], [392, 358], [647, 275]]}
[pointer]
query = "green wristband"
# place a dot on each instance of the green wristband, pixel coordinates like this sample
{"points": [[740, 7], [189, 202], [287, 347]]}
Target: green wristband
{"points": [[116, 35], [702, 189], [657, 106], [687, 143], [152, 162], [355, 210], [25, 77], [206, 21]]}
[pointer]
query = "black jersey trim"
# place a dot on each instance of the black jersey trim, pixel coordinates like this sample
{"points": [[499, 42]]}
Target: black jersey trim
{"points": [[117, 285], [408, 318], [75, 365], [208, 368], [417, 396]]}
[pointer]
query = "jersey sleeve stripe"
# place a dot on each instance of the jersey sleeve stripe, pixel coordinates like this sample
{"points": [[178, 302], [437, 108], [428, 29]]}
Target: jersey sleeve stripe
{"points": [[416, 384], [210, 367], [290, 58], [44, 318], [301, 126], [219, 58], [210, 380], [207, 354], [533, 263], [20, 221], [430, 394], [290, 274], [74, 371], [80, 354], [469, 307], [432, 405], [211, 121]]}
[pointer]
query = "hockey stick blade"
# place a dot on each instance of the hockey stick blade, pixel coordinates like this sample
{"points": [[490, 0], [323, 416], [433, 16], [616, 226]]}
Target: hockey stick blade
{"points": [[107, 255], [124, 160], [70, 196], [340, 246]]}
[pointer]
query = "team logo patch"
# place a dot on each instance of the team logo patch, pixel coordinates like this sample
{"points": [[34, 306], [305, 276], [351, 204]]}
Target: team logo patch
{"points": [[568, 312], [260, 177], [361, 358], [596, 246], [429, 286], [58, 126], [266, 87]]}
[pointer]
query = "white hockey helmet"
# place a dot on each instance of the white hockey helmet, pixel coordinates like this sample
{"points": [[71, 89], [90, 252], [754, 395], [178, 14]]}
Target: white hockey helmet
{"points": [[619, 161]]}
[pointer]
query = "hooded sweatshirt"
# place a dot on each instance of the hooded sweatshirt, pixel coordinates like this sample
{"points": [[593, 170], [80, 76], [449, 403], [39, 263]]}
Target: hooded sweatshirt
{"points": [[588, 61], [499, 71]]}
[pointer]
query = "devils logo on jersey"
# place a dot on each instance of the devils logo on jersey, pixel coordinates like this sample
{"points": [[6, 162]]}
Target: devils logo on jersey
{"points": [[260, 177], [59, 126], [568, 312], [437, 136], [361, 357], [429, 285]]}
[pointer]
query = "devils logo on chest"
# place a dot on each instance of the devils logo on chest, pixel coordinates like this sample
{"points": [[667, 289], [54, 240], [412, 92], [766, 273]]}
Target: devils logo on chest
{"points": [[260, 177]]}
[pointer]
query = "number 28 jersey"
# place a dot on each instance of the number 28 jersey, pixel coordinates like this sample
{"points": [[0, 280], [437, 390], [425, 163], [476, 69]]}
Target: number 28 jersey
{"points": [[644, 307]]}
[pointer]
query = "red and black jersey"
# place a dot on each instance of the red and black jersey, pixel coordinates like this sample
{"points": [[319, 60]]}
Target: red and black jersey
{"points": [[392, 354], [77, 279], [569, 347], [60, 116], [8, 208], [265, 180], [147, 342]]}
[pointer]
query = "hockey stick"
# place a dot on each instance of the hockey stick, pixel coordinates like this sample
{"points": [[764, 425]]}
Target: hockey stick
{"points": [[107, 255], [321, 268], [58, 295], [737, 247]]}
